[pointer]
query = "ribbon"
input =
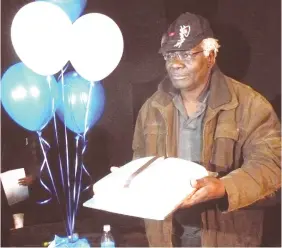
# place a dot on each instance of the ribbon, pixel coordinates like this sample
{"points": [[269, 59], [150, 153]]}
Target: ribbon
{"points": [[68, 190], [60, 159], [63, 71], [88, 174], [76, 188], [79, 165], [85, 132], [45, 162]]}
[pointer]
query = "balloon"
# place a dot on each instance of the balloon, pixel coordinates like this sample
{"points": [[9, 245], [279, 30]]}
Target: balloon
{"points": [[97, 46], [73, 8], [40, 36], [73, 104], [27, 98]]}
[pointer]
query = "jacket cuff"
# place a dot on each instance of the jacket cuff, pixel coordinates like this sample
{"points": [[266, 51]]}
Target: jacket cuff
{"points": [[223, 203], [231, 195]]}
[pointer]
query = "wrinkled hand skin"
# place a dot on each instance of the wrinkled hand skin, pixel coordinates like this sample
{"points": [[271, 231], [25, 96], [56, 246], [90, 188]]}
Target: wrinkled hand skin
{"points": [[26, 181], [207, 188]]}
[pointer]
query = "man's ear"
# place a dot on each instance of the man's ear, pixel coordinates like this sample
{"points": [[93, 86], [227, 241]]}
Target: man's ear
{"points": [[211, 59]]}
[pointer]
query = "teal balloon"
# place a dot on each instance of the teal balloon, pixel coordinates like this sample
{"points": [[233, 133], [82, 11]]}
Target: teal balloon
{"points": [[74, 108], [27, 97], [73, 8]]}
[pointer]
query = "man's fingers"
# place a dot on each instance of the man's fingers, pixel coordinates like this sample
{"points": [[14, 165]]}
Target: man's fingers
{"points": [[183, 203], [199, 196], [193, 183], [196, 197], [23, 181], [212, 174], [114, 168], [199, 183]]}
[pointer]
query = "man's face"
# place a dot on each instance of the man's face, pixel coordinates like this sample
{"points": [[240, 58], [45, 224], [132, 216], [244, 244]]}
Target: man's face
{"points": [[187, 69]]}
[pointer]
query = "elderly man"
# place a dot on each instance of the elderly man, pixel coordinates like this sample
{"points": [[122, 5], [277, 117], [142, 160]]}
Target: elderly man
{"points": [[201, 115]]}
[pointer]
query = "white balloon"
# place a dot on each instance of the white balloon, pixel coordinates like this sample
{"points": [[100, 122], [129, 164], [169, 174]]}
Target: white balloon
{"points": [[40, 35], [97, 46]]}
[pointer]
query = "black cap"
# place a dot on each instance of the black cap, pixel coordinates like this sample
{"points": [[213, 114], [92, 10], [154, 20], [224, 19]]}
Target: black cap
{"points": [[186, 32]]}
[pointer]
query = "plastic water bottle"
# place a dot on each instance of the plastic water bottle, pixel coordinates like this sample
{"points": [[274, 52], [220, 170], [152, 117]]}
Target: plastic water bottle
{"points": [[107, 239]]}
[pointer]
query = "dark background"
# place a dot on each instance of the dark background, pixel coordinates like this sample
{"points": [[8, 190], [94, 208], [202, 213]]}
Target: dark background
{"points": [[250, 39]]}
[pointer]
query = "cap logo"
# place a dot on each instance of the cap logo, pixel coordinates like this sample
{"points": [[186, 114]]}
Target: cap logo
{"points": [[184, 32]]}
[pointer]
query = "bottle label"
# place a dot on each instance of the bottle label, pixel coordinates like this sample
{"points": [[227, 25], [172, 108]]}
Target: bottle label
{"points": [[108, 244]]}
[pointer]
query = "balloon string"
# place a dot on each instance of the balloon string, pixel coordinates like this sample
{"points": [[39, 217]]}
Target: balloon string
{"points": [[85, 132], [88, 174], [79, 182], [56, 132], [79, 188], [41, 141], [63, 71], [69, 210], [43, 184], [87, 110], [76, 184], [59, 156], [60, 159]]}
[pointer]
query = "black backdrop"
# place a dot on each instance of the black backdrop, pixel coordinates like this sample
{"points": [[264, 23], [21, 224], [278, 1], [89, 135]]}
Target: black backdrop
{"points": [[250, 38], [248, 31]]}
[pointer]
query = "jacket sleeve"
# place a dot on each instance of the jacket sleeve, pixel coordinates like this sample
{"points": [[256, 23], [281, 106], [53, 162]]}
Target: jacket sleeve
{"points": [[260, 175], [138, 144]]}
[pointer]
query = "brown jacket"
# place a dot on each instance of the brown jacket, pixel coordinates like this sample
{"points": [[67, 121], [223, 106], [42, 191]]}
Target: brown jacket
{"points": [[241, 139]]}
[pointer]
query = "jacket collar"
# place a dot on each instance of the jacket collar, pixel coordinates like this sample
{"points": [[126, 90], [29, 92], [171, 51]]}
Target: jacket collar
{"points": [[221, 95]]}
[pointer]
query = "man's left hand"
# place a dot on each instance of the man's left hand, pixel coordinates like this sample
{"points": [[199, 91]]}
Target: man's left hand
{"points": [[26, 181], [207, 188]]}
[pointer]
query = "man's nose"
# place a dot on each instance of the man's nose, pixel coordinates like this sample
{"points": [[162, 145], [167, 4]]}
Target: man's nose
{"points": [[177, 64]]}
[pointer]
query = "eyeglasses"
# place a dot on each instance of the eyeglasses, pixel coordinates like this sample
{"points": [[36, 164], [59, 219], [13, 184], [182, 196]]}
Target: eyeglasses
{"points": [[182, 55]]}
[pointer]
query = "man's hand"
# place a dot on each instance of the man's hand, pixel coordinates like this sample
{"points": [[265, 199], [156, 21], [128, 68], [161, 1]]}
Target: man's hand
{"points": [[207, 188], [26, 181], [114, 168]]}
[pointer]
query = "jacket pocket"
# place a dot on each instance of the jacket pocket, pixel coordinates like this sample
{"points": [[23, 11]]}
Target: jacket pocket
{"points": [[223, 151], [155, 140]]}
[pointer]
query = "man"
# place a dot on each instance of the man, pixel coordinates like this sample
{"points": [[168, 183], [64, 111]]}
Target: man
{"points": [[33, 167], [201, 115], [27, 157], [26, 150]]}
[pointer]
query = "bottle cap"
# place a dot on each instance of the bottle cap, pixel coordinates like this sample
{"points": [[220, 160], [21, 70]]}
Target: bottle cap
{"points": [[107, 228]]}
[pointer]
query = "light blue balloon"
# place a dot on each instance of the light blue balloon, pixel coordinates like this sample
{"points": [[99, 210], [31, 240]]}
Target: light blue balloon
{"points": [[73, 106], [27, 98], [73, 8]]}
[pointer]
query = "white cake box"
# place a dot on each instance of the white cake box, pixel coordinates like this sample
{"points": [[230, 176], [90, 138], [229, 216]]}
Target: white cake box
{"points": [[153, 193]]}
